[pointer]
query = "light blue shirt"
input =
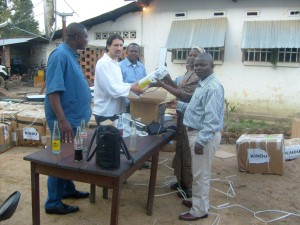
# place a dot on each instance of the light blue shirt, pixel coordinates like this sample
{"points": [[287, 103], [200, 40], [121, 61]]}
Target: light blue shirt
{"points": [[205, 112], [132, 73], [65, 77]]}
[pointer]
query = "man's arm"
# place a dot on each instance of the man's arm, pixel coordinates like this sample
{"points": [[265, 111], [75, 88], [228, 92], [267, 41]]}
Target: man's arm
{"points": [[65, 126]]}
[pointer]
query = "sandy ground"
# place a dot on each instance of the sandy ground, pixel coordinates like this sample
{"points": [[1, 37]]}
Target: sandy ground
{"points": [[240, 205], [251, 193]]}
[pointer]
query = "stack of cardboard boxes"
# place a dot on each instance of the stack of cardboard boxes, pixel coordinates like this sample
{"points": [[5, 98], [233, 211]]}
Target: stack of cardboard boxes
{"points": [[261, 153]]}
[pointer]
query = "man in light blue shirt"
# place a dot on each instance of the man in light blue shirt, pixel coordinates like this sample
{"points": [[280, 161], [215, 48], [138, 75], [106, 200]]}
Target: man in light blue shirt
{"points": [[132, 69], [204, 121]]}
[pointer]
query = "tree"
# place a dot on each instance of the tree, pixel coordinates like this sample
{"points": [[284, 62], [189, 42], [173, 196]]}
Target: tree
{"points": [[21, 15], [4, 13]]}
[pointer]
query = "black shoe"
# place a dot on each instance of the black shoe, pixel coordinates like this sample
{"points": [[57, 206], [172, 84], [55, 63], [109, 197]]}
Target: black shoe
{"points": [[77, 194], [62, 210], [174, 186]]}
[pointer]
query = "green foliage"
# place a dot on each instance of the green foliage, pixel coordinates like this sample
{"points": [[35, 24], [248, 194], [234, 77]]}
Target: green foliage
{"points": [[228, 108], [4, 12], [274, 57], [240, 126], [21, 15]]}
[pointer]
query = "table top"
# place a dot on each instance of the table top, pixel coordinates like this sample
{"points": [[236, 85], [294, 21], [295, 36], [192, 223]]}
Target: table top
{"points": [[145, 147]]}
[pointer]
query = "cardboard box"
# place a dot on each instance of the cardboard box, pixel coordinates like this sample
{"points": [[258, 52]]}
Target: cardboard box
{"points": [[292, 148], [148, 106], [296, 128], [170, 147], [31, 128], [5, 137], [261, 153], [11, 117]]}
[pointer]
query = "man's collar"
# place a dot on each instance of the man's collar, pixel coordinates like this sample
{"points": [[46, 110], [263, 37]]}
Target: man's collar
{"points": [[128, 63], [206, 80], [74, 52]]}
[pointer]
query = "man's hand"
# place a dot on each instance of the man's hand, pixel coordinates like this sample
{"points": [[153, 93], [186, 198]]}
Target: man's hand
{"points": [[198, 149], [66, 131], [158, 83], [135, 88]]}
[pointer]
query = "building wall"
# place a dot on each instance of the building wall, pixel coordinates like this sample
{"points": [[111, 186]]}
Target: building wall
{"points": [[251, 89], [128, 22]]}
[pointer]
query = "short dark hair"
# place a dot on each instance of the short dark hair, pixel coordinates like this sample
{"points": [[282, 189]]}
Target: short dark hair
{"points": [[132, 44], [111, 38], [74, 29]]}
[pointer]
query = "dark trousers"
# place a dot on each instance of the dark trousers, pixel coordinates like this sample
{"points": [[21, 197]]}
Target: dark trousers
{"points": [[100, 119]]}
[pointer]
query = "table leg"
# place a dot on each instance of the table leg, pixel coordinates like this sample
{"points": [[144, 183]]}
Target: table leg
{"points": [[105, 192], [92, 193], [152, 183], [115, 202], [35, 195]]}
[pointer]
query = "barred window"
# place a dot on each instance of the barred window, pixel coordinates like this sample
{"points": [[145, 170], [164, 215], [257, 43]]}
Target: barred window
{"points": [[284, 55], [180, 55]]}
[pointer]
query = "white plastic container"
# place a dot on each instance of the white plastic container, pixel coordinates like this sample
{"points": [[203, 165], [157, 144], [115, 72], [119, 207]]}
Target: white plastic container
{"points": [[159, 73]]}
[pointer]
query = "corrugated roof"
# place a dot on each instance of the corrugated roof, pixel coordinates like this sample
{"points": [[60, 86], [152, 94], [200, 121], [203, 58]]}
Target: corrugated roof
{"points": [[12, 41], [201, 32], [271, 34], [111, 16]]}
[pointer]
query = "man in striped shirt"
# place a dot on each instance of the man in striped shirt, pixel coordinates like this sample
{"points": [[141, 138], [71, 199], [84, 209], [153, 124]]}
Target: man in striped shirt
{"points": [[204, 121]]}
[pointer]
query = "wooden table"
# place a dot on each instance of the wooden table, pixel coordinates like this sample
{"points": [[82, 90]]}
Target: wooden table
{"points": [[63, 166]]}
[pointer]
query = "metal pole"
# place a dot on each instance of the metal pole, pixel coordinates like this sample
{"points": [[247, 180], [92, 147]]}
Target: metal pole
{"points": [[64, 20]]}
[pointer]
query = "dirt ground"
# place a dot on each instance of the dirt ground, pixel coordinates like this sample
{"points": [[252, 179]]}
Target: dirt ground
{"points": [[250, 193], [236, 198]]}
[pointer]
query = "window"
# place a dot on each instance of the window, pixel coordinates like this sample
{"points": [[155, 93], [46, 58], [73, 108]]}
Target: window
{"points": [[181, 55], [273, 55]]}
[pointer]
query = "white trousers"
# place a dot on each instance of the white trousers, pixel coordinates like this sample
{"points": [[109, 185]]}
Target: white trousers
{"points": [[201, 169]]}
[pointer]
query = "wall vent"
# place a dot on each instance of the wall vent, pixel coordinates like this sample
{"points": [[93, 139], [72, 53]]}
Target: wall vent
{"points": [[294, 13], [180, 14], [252, 13], [219, 13]]}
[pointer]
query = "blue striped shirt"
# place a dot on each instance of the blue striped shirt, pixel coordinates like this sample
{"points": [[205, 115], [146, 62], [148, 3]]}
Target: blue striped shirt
{"points": [[205, 112], [132, 73]]}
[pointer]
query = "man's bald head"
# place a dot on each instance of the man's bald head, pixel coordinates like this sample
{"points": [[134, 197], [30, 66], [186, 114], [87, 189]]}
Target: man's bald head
{"points": [[205, 57], [203, 65], [74, 29], [76, 36]]}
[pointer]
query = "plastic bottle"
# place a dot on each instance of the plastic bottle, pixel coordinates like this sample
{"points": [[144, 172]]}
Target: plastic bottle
{"points": [[78, 145], [120, 125], [55, 139], [133, 137], [83, 135], [159, 73]]}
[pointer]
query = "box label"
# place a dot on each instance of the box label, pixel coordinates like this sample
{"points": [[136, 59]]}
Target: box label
{"points": [[6, 132], [31, 133], [292, 152], [258, 156]]}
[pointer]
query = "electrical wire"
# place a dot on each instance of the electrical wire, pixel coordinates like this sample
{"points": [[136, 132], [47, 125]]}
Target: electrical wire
{"points": [[71, 8]]}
